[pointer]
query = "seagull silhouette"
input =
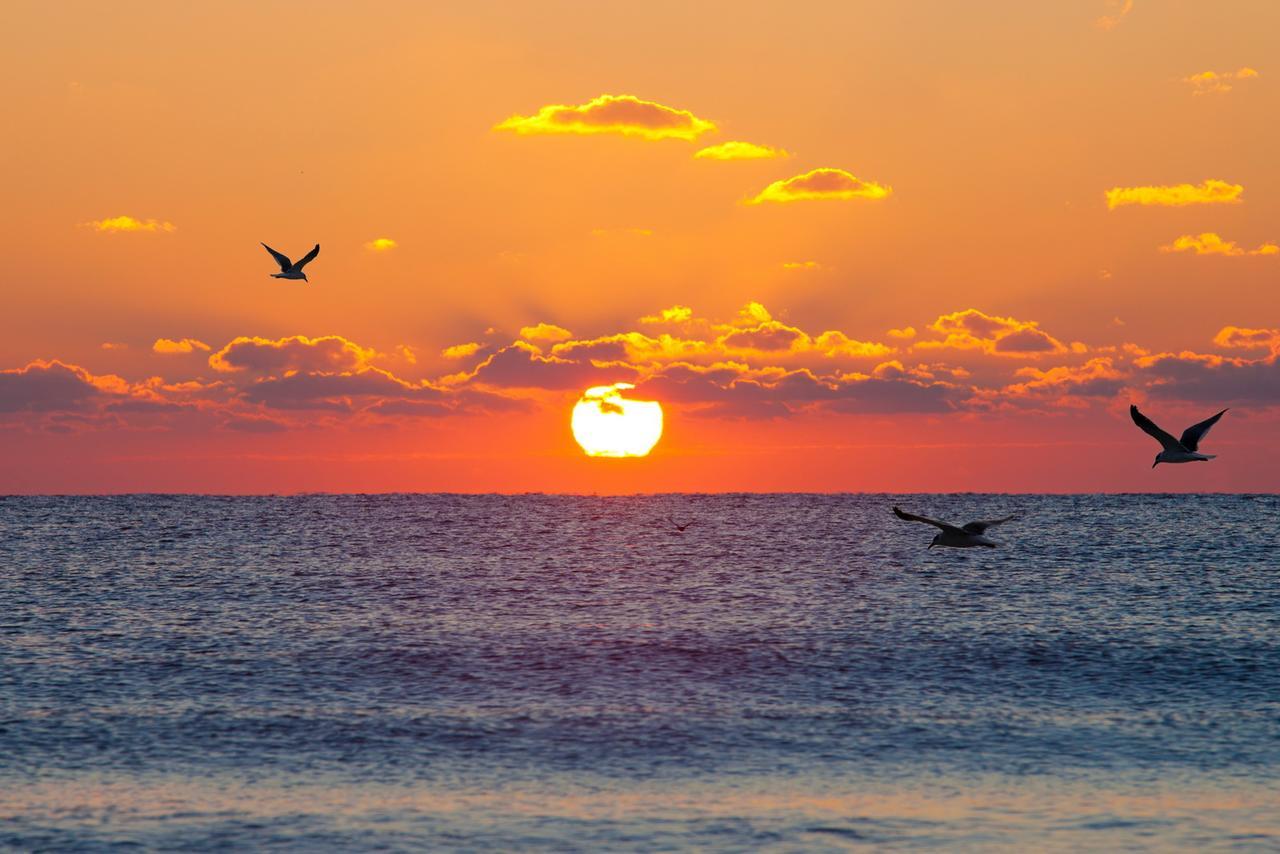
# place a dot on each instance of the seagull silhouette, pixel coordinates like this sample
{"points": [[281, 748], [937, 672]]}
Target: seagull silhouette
{"points": [[678, 526], [288, 269], [966, 537], [1184, 450]]}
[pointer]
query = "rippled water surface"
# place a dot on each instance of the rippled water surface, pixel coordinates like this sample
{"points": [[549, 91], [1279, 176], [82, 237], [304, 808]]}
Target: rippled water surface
{"points": [[793, 673]]}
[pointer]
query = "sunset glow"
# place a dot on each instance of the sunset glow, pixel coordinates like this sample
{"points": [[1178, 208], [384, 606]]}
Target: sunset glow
{"points": [[979, 236]]}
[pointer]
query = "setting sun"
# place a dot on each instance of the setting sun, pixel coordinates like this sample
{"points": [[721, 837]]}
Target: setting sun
{"points": [[606, 424]]}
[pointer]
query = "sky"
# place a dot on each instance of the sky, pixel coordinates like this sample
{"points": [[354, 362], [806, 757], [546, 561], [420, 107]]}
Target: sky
{"points": [[847, 246]]}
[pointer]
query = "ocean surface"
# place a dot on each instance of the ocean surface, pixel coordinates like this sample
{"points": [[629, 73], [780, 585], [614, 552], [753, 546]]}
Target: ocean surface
{"points": [[538, 673]]}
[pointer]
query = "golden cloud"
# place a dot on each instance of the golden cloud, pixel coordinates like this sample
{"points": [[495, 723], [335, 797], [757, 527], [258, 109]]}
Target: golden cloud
{"points": [[545, 332], [1242, 337], [381, 244], [1209, 192], [971, 329], [1209, 243], [675, 314], [1207, 82], [186, 345], [117, 224], [461, 351], [736, 150], [904, 333], [801, 265], [622, 114], [821, 184]]}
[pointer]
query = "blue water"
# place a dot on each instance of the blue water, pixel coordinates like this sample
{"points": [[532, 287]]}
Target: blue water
{"points": [[792, 673]]}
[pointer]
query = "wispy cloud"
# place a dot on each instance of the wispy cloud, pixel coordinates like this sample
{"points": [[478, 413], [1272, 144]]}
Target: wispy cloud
{"points": [[621, 114], [381, 244], [1208, 192], [1117, 10], [1210, 82], [1209, 243], [737, 150], [124, 224], [801, 265], [822, 183]]}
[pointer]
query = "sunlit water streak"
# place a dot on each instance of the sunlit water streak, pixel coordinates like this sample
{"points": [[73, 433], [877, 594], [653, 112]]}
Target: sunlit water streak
{"points": [[793, 672]]}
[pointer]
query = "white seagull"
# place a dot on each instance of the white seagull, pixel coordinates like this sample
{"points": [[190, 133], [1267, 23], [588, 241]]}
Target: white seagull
{"points": [[967, 537], [288, 269], [1182, 450]]}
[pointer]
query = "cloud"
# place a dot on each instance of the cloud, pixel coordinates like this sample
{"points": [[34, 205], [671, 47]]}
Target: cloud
{"points": [[821, 184], [733, 390], [622, 114], [1208, 192], [1211, 379], [1098, 377], [114, 345], [52, 386], [297, 353], [675, 314], [545, 332], [1208, 82], [381, 244], [972, 329], [736, 150], [905, 332], [186, 345], [119, 224], [1244, 338], [522, 365], [801, 265], [341, 392], [1209, 243], [462, 351], [1118, 10]]}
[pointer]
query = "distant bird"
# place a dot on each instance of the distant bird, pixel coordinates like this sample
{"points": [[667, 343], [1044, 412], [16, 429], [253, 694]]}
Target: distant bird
{"points": [[678, 526], [288, 269], [1182, 450], [966, 537]]}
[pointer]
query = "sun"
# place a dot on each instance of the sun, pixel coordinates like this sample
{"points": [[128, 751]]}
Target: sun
{"points": [[608, 425]]}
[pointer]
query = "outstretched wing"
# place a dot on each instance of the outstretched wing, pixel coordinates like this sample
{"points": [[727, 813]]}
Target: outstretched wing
{"points": [[911, 517], [1192, 436], [678, 525], [979, 527], [1149, 427], [306, 259], [281, 259]]}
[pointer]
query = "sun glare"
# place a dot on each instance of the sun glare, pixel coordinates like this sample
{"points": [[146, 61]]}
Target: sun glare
{"points": [[606, 424]]}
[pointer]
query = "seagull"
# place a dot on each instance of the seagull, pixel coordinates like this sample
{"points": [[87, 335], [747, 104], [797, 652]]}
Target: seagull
{"points": [[680, 527], [1182, 450], [958, 538], [288, 269]]}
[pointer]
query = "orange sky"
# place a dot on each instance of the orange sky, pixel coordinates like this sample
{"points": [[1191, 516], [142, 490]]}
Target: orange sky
{"points": [[1059, 208]]}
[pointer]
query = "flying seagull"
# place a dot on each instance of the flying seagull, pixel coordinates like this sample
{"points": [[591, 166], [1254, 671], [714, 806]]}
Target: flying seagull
{"points": [[678, 526], [288, 269], [957, 538], [1182, 450]]}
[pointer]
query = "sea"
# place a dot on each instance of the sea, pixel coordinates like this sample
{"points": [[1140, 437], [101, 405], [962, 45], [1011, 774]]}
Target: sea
{"points": [[572, 673]]}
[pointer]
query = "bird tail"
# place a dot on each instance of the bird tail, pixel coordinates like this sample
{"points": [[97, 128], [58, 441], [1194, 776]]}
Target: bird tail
{"points": [[1209, 456]]}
